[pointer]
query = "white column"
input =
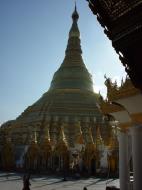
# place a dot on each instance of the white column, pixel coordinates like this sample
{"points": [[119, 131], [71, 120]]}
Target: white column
{"points": [[136, 133], [124, 169]]}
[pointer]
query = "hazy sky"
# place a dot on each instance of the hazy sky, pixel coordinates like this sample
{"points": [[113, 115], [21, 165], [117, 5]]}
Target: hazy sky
{"points": [[33, 39]]}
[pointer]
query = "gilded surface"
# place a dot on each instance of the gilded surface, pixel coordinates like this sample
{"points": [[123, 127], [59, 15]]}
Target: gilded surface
{"points": [[67, 113], [124, 91]]}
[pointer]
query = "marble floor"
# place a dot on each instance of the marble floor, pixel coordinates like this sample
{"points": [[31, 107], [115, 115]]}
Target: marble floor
{"points": [[13, 181]]}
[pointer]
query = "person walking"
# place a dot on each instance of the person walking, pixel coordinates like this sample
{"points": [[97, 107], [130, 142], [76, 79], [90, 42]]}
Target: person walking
{"points": [[26, 182], [85, 188]]}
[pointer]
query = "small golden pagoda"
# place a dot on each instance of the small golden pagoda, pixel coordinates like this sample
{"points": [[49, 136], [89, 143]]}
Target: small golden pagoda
{"points": [[7, 156], [90, 155], [32, 154], [45, 150]]}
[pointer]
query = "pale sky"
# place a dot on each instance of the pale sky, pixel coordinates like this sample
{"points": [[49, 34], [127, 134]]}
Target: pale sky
{"points": [[33, 39]]}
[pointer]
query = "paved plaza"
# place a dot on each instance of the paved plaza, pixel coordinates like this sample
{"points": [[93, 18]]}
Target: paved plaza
{"points": [[14, 181]]}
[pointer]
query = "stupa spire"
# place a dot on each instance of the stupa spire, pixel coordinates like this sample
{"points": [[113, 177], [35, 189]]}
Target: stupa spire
{"points": [[35, 137], [46, 134], [99, 140], [74, 35], [73, 73], [62, 135], [75, 15], [91, 137]]}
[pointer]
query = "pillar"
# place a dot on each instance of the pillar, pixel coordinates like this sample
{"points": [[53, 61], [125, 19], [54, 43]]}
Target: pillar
{"points": [[136, 133], [124, 169]]}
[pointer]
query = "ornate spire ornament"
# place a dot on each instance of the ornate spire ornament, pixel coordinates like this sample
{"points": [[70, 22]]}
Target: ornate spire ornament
{"points": [[62, 135], [99, 140], [46, 134], [80, 139], [75, 15], [72, 73], [91, 137], [74, 34], [35, 137]]}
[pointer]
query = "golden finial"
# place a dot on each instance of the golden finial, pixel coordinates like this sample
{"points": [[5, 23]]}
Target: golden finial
{"points": [[75, 6], [122, 82], [91, 137], [80, 139], [75, 15], [98, 137], [46, 135], [62, 135], [35, 137], [113, 142], [79, 126]]}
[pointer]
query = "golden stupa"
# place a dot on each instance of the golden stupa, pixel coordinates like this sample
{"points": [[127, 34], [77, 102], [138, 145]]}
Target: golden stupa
{"points": [[65, 119]]}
